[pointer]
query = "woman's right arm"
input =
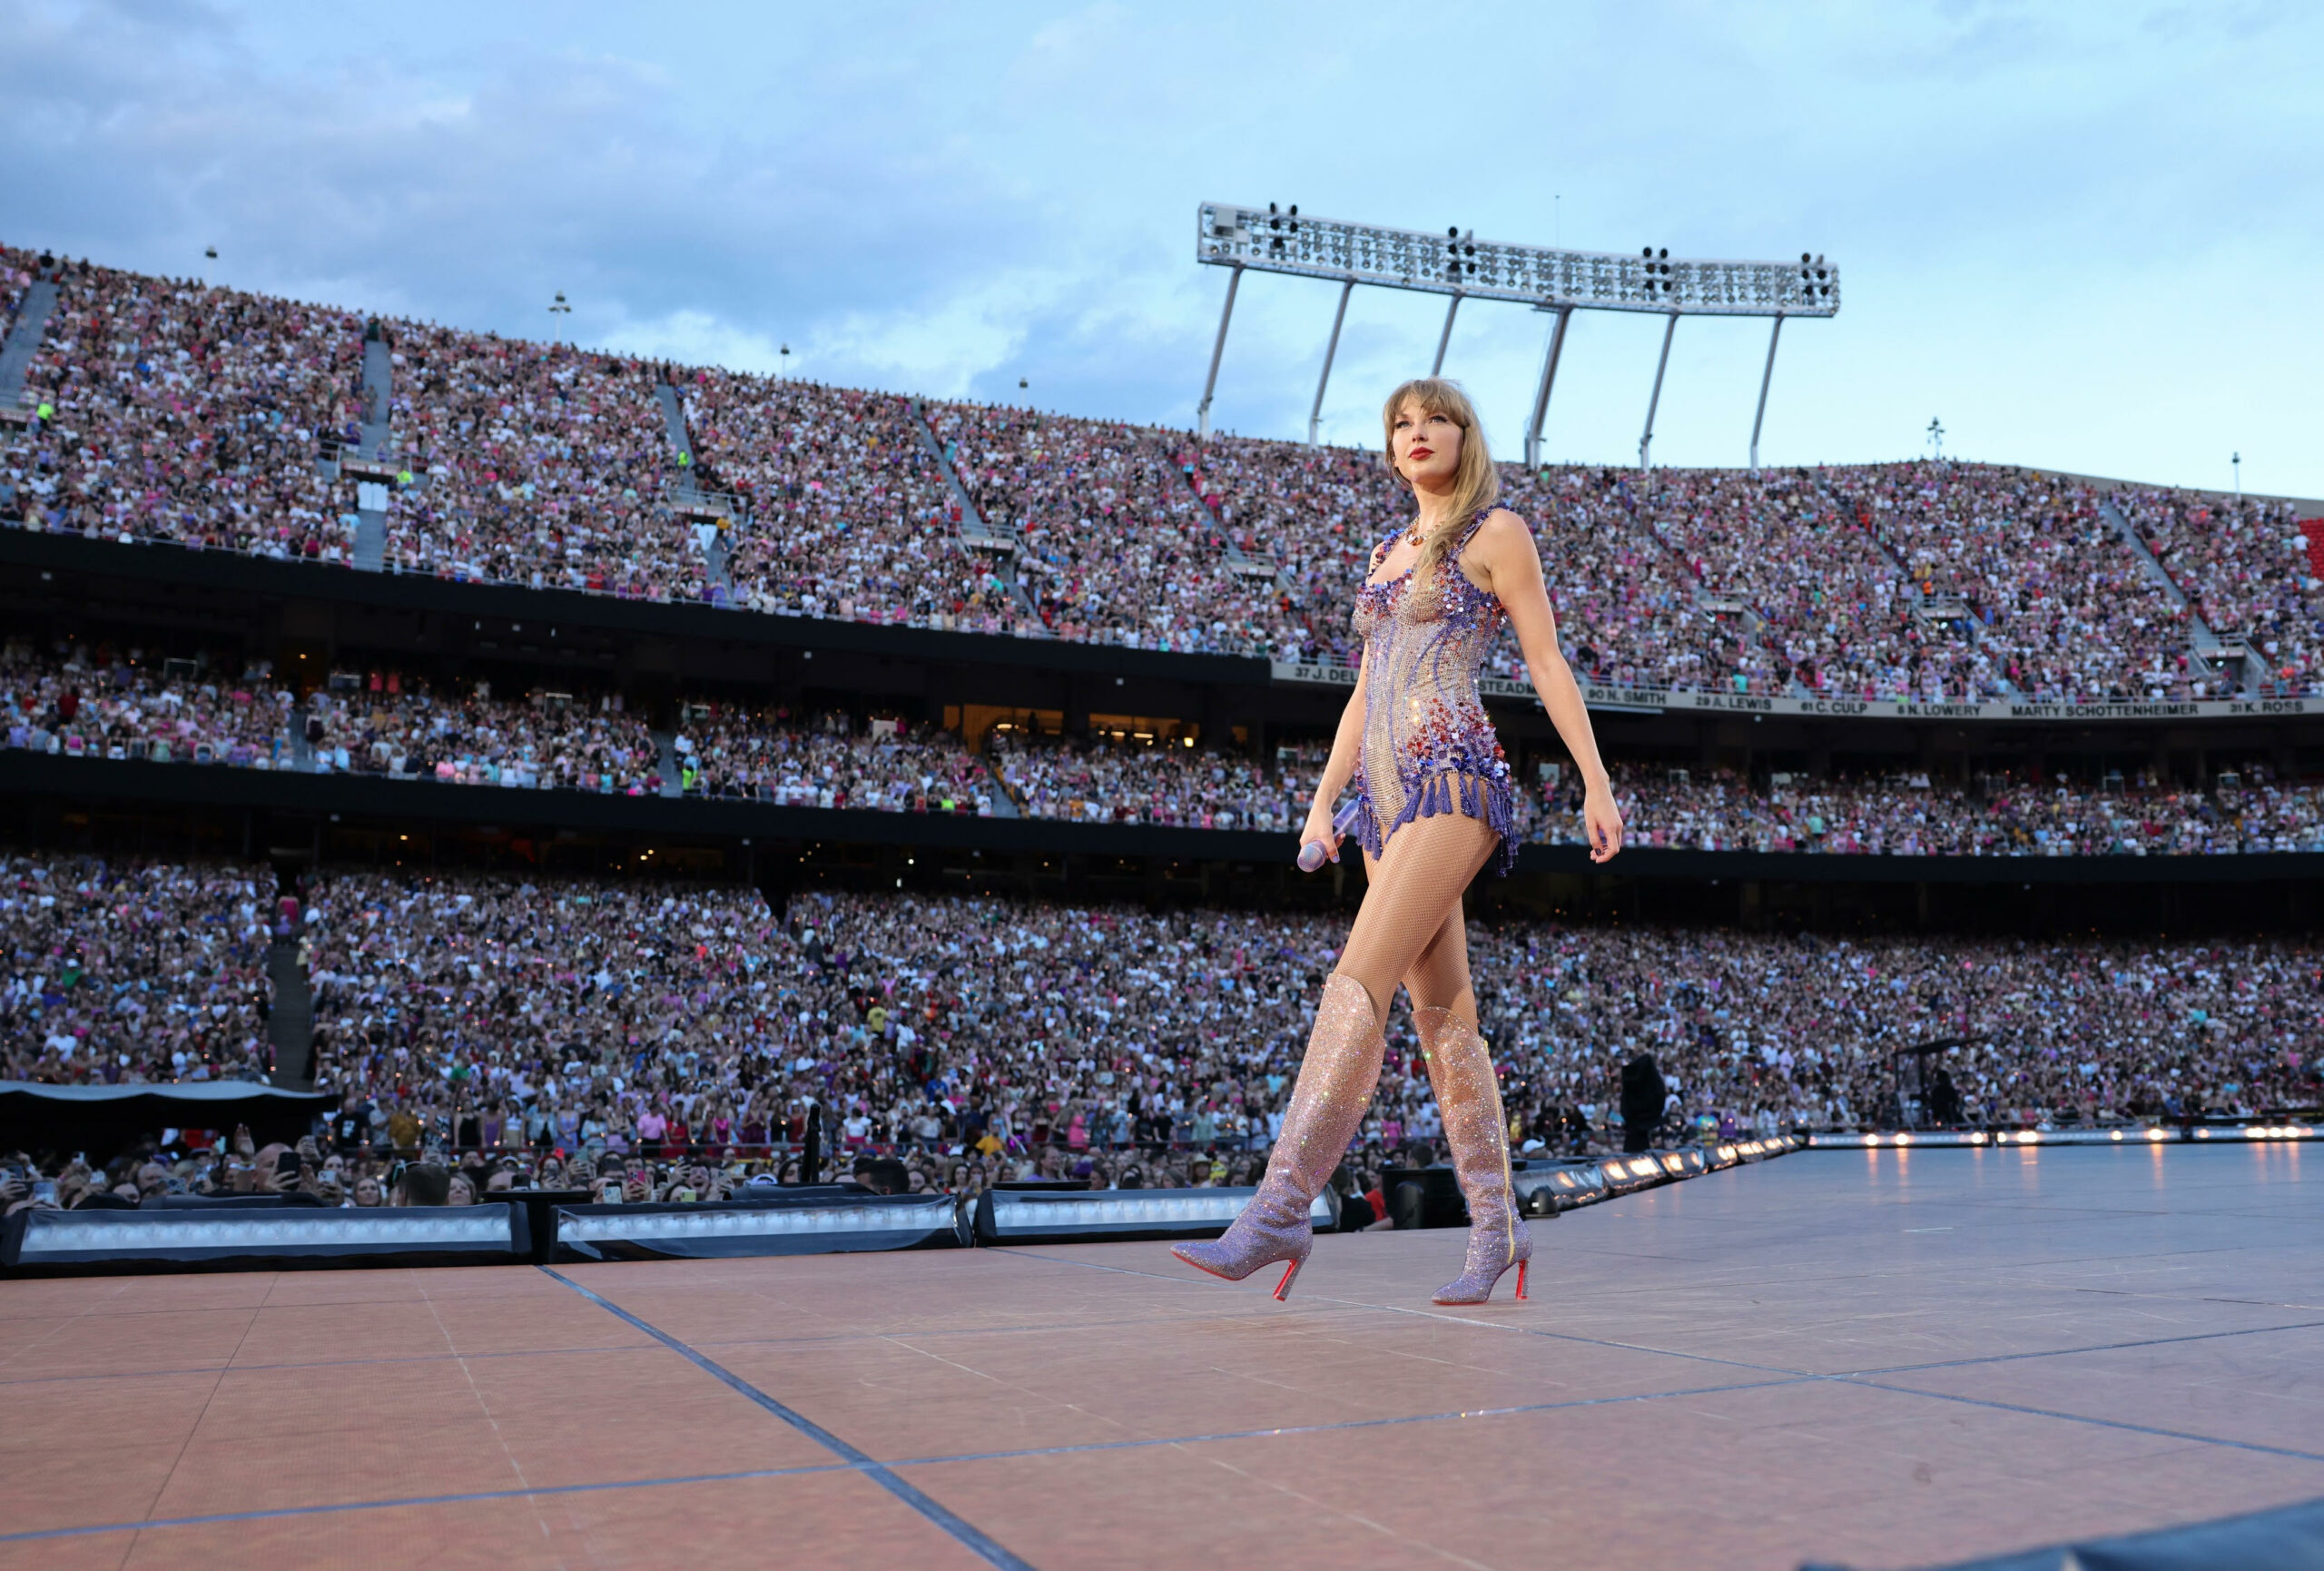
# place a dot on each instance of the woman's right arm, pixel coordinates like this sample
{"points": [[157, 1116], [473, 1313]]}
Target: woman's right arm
{"points": [[1337, 769]]}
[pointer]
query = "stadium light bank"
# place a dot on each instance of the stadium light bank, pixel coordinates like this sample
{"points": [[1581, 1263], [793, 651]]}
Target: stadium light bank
{"points": [[1458, 264]]}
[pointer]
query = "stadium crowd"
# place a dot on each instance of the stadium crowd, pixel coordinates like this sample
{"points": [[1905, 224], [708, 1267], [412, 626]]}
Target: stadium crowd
{"points": [[407, 731], [2040, 595], [1115, 544], [133, 971], [122, 706], [533, 463], [849, 514], [827, 762], [167, 409], [2252, 572], [677, 1037], [1101, 781], [125, 703], [1907, 813]]}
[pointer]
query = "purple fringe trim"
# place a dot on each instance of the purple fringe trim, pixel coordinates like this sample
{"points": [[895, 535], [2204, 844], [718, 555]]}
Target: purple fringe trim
{"points": [[1492, 802]]}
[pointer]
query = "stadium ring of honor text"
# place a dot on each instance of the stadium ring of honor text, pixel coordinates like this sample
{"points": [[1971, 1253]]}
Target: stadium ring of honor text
{"points": [[1656, 700]]}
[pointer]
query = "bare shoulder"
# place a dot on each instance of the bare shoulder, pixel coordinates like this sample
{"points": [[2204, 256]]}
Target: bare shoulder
{"points": [[1503, 531]]}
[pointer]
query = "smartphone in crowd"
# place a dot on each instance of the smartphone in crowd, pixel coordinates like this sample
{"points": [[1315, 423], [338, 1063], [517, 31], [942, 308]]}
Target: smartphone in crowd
{"points": [[46, 1190], [286, 1164]]}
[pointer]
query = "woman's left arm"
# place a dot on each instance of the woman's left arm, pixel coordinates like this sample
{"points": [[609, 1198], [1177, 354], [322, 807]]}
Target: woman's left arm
{"points": [[1504, 549]]}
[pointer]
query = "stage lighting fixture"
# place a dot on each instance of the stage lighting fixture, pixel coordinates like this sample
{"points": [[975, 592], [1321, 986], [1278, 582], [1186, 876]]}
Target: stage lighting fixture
{"points": [[1067, 1216], [1546, 1189], [831, 1223], [42, 1240]]}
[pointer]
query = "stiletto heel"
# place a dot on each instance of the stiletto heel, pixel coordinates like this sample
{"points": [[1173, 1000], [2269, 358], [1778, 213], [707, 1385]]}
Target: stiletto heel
{"points": [[1291, 1270], [1520, 1277]]}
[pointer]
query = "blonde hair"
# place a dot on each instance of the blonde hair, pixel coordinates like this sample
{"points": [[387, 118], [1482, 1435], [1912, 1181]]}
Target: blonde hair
{"points": [[1476, 483]]}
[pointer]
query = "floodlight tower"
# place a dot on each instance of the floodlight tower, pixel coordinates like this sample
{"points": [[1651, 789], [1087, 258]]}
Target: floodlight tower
{"points": [[1458, 265]]}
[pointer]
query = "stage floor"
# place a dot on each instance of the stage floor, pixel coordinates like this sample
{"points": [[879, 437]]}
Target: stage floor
{"points": [[1883, 1358]]}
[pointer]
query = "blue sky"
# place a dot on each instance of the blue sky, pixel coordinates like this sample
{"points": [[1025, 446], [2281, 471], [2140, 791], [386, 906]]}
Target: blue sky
{"points": [[2084, 236]]}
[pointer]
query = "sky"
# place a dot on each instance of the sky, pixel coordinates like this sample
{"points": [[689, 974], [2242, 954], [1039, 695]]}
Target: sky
{"points": [[2081, 237]]}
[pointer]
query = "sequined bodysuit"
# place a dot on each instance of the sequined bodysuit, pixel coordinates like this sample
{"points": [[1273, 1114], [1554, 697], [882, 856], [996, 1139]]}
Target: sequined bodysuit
{"points": [[1428, 747]]}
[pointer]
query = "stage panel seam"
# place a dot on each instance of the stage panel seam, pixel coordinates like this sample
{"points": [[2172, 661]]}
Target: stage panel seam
{"points": [[334, 1508], [964, 1533], [2124, 1424]]}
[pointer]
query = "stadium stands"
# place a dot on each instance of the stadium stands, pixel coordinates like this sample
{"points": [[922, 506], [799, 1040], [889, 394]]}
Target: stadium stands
{"points": [[619, 1017], [2248, 571], [203, 416], [186, 413], [134, 971], [117, 705]]}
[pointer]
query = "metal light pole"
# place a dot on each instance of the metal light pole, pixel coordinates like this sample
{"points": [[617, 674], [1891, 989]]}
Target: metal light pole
{"points": [[1332, 348], [1935, 439], [1436, 366], [1541, 394], [1210, 382], [2238, 461], [1766, 377], [1646, 438], [559, 307]]}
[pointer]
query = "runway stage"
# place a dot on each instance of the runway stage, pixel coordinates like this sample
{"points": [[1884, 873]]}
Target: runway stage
{"points": [[1882, 1359]]}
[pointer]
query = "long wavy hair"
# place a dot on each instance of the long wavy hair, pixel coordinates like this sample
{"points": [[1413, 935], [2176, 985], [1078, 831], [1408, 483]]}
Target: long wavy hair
{"points": [[1476, 483]]}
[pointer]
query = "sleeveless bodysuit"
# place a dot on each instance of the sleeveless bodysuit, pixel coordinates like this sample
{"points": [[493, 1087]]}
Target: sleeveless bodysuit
{"points": [[1428, 747]]}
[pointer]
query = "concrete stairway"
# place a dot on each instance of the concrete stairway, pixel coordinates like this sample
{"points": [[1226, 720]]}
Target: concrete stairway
{"points": [[1238, 560], [24, 340], [1004, 802], [1003, 544], [668, 742], [1904, 576], [687, 490], [673, 423], [2201, 637], [370, 548], [371, 552], [290, 1025], [378, 392]]}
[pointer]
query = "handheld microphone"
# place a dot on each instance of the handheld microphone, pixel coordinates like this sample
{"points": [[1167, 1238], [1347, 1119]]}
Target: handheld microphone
{"points": [[1312, 854]]}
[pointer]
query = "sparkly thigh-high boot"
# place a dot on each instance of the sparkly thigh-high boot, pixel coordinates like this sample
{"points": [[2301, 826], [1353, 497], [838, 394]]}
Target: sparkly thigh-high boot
{"points": [[1335, 1081], [1460, 1070]]}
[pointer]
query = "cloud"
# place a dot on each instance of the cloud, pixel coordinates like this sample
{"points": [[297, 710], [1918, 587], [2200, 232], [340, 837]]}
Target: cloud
{"points": [[2064, 229]]}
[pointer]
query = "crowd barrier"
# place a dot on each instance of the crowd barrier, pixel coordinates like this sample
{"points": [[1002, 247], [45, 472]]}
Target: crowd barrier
{"points": [[253, 1233]]}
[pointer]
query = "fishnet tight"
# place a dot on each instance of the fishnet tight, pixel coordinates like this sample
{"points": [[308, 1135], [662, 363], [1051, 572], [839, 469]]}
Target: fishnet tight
{"points": [[1409, 927]]}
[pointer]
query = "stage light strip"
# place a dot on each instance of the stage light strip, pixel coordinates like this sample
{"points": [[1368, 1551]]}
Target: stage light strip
{"points": [[2143, 1135], [1035, 1213], [613, 1225], [62, 1235]]}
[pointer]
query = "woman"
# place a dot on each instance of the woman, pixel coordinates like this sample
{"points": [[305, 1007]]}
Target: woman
{"points": [[1436, 793]]}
